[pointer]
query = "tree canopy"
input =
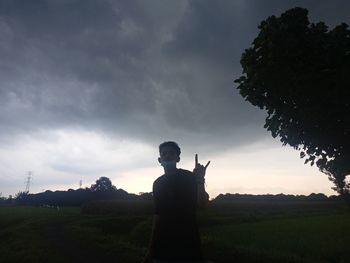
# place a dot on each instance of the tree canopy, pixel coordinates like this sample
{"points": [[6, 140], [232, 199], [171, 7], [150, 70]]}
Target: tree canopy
{"points": [[102, 184], [299, 72]]}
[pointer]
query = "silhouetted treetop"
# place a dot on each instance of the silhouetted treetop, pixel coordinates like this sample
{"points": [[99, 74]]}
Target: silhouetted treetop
{"points": [[299, 72], [103, 184]]}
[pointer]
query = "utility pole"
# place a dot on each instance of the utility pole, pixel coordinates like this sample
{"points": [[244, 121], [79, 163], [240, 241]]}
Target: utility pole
{"points": [[29, 180], [80, 183]]}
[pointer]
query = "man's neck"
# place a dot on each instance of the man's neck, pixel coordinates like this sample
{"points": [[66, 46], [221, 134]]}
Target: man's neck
{"points": [[171, 171]]}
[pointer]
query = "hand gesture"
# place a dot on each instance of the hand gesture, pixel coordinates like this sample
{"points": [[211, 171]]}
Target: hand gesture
{"points": [[199, 170]]}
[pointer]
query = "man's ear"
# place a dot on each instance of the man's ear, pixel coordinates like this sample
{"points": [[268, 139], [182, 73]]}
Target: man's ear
{"points": [[159, 161], [178, 159]]}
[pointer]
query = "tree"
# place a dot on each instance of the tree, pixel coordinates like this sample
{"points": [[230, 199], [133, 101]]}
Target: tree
{"points": [[2, 199], [21, 197], [103, 184], [299, 73]]}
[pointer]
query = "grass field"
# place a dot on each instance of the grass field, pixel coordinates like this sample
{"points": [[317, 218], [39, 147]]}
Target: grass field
{"points": [[231, 232]]}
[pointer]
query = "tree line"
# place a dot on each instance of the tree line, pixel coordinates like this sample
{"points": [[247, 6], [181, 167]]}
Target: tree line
{"points": [[103, 189], [277, 197]]}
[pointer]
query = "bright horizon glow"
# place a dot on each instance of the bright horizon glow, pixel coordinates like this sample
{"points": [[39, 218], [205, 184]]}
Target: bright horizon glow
{"points": [[60, 159]]}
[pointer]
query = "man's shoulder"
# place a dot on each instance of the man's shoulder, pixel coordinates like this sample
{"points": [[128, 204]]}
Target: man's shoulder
{"points": [[159, 179], [186, 173], [181, 172]]}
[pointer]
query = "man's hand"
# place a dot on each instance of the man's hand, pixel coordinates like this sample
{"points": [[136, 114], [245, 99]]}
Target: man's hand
{"points": [[199, 170]]}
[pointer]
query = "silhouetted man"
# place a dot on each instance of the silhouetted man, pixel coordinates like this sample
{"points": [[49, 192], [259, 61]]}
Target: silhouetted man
{"points": [[177, 194]]}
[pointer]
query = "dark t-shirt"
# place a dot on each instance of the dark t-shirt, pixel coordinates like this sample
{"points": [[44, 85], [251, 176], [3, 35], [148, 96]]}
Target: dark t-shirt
{"points": [[176, 237]]}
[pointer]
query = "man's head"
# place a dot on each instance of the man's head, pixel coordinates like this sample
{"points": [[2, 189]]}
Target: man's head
{"points": [[169, 152]]}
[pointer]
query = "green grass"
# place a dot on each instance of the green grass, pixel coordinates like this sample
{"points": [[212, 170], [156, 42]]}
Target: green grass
{"points": [[231, 232], [21, 234], [304, 239], [30, 234]]}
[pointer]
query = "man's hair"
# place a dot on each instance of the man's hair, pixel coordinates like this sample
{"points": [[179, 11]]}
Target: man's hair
{"points": [[171, 144]]}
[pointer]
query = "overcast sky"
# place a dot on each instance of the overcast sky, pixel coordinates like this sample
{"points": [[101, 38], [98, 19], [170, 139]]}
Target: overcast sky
{"points": [[90, 88]]}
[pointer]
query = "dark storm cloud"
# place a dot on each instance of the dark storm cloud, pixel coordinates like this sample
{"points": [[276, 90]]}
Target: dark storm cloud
{"points": [[70, 62], [151, 70]]}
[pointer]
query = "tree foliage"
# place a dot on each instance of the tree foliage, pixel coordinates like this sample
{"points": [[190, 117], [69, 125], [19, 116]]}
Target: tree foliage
{"points": [[21, 197], [103, 184], [299, 72]]}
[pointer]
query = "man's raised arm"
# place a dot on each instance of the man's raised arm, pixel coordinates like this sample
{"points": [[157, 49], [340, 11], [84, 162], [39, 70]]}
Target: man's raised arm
{"points": [[199, 172]]}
